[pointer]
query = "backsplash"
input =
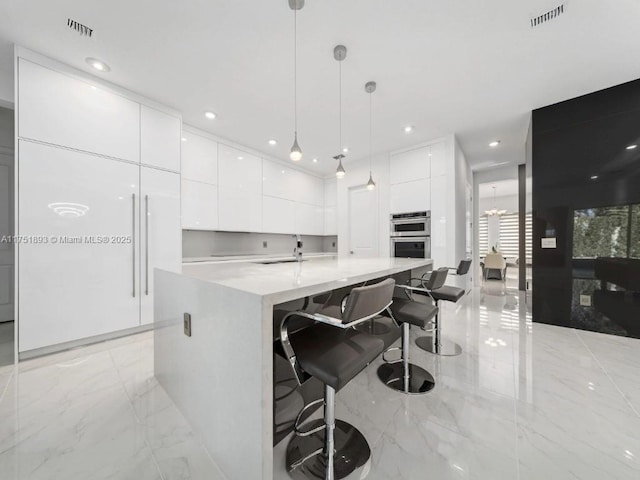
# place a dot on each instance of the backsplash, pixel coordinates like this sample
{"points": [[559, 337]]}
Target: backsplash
{"points": [[197, 243]]}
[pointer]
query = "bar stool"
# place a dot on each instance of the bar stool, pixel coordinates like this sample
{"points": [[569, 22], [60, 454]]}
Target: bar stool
{"points": [[436, 344], [334, 353], [400, 374]]}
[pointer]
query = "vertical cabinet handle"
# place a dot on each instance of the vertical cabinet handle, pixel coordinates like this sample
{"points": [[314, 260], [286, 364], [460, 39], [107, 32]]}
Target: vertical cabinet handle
{"points": [[133, 239], [146, 244]]}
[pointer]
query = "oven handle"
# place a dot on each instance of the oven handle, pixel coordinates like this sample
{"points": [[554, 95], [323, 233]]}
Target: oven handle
{"points": [[409, 220]]}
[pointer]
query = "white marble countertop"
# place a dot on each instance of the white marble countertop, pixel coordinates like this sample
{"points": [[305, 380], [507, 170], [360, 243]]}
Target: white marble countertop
{"points": [[280, 282], [253, 258]]}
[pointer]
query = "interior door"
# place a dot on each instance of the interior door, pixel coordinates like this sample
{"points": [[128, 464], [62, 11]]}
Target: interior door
{"points": [[363, 224], [160, 231], [6, 231], [78, 260]]}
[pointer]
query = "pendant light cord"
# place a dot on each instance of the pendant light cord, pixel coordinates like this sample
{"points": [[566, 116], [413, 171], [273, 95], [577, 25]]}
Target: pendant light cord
{"points": [[340, 105], [295, 71], [370, 133]]}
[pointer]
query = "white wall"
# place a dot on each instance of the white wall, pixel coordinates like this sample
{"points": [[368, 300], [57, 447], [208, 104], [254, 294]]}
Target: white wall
{"points": [[6, 88], [358, 175]]}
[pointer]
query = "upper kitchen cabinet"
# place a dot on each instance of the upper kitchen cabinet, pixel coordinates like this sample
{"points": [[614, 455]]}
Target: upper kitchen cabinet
{"points": [[309, 219], [199, 205], [330, 207], [410, 165], [239, 170], [239, 211], [159, 139], [283, 182], [309, 189], [411, 196], [438, 159], [278, 215], [60, 109], [199, 159]]}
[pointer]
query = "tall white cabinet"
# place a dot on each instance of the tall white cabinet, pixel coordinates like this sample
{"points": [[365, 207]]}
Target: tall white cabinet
{"points": [[98, 206]]}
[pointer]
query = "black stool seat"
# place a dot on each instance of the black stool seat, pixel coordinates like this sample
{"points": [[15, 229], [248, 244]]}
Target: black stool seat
{"points": [[414, 313], [333, 355], [448, 293]]}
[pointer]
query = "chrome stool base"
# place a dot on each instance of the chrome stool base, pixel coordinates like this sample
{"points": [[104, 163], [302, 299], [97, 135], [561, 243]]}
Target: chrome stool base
{"points": [[352, 452], [393, 376], [444, 348]]}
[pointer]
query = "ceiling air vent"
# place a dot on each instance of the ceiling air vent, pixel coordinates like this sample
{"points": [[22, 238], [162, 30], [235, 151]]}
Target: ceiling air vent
{"points": [[547, 16], [80, 28]]}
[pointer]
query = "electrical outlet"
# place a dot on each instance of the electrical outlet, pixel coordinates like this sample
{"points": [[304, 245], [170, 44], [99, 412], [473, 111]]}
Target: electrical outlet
{"points": [[187, 324], [585, 300], [264, 244], [333, 244]]}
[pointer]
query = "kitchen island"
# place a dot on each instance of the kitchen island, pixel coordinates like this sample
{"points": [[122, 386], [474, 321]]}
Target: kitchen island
{"points": [[221, 376]]}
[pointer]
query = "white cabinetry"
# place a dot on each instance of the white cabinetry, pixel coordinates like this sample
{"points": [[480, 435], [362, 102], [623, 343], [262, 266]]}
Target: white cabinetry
{"points": [[159, 139], [438, 160], [239, 170], [239, 211], [62, 110], [410, 196], [199, 206], [309, 219], [411, 165], [199, 183], [199, 159], [278, 215], [330, 207], [72, 287], [160, 233]]}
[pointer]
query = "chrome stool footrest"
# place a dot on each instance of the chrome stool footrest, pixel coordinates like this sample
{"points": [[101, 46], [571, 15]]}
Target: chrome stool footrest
{"points": [[443, 348], [305, 457], [391, 349]]}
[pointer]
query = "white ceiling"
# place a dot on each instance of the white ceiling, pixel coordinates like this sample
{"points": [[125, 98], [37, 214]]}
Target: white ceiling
{"points": [[504, 188], [472, 68]]}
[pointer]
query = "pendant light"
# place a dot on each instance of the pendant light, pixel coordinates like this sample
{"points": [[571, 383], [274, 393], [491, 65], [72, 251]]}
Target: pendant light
{"points": [[296, 151], [494, 211], [340, 53], [370, 87]]}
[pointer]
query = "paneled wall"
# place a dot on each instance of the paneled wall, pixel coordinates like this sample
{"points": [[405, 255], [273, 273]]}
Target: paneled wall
{"points": [[586, 199]]}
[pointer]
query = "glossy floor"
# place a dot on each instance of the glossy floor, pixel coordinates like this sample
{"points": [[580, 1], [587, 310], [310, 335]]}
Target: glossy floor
{"points": [[524, 401]]}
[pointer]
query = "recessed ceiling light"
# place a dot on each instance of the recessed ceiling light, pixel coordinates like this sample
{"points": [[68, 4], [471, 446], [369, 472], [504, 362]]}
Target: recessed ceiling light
{"points": [[183, 139], [345, 150], [240, 158], [408, 129], [272, 142], [632, 147], [315, 160], [495, 143], [98, 64], [594, 177], [210, 115]]}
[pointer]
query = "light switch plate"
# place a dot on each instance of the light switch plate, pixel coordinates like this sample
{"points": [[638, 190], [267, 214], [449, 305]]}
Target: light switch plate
{"points": [[585, 300], [264, 244], [187, 324]]}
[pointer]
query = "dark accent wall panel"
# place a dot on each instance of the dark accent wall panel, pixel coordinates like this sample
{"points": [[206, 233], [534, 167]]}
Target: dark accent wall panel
{"points": [[586, 199]]}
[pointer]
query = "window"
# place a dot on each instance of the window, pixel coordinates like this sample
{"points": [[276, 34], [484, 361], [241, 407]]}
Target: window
{"points": [[601, 232], [483, 233], [508, 237]]}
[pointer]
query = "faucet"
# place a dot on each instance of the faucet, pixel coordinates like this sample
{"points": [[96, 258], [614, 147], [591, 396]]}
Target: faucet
{"points": [[297, 252]]}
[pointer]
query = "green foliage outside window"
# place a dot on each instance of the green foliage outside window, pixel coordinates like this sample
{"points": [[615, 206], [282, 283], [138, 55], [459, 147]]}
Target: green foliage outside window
{"points": [[635, 231], [603, 232]]}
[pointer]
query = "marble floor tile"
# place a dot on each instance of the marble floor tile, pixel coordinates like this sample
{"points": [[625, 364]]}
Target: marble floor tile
{"points": [[524, 401]]}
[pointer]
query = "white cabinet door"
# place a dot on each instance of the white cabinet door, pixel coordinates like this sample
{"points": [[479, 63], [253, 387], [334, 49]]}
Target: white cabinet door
{"points": [[239, 170], [411, 165], [239, 211], [84, 280], [439, 202], [309, 219], [278, 215], [62, 110], [438, 160], [278, 180], [330, 192], [410, 196], [159, 139], [199, 206], [199, 159], [309, 189], [330, 220], [160, 232]]}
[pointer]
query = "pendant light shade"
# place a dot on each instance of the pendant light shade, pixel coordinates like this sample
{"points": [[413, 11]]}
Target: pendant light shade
{"points": [[296, 151], [340, 172], [340, 53], [370, 87], [371, 184]]}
